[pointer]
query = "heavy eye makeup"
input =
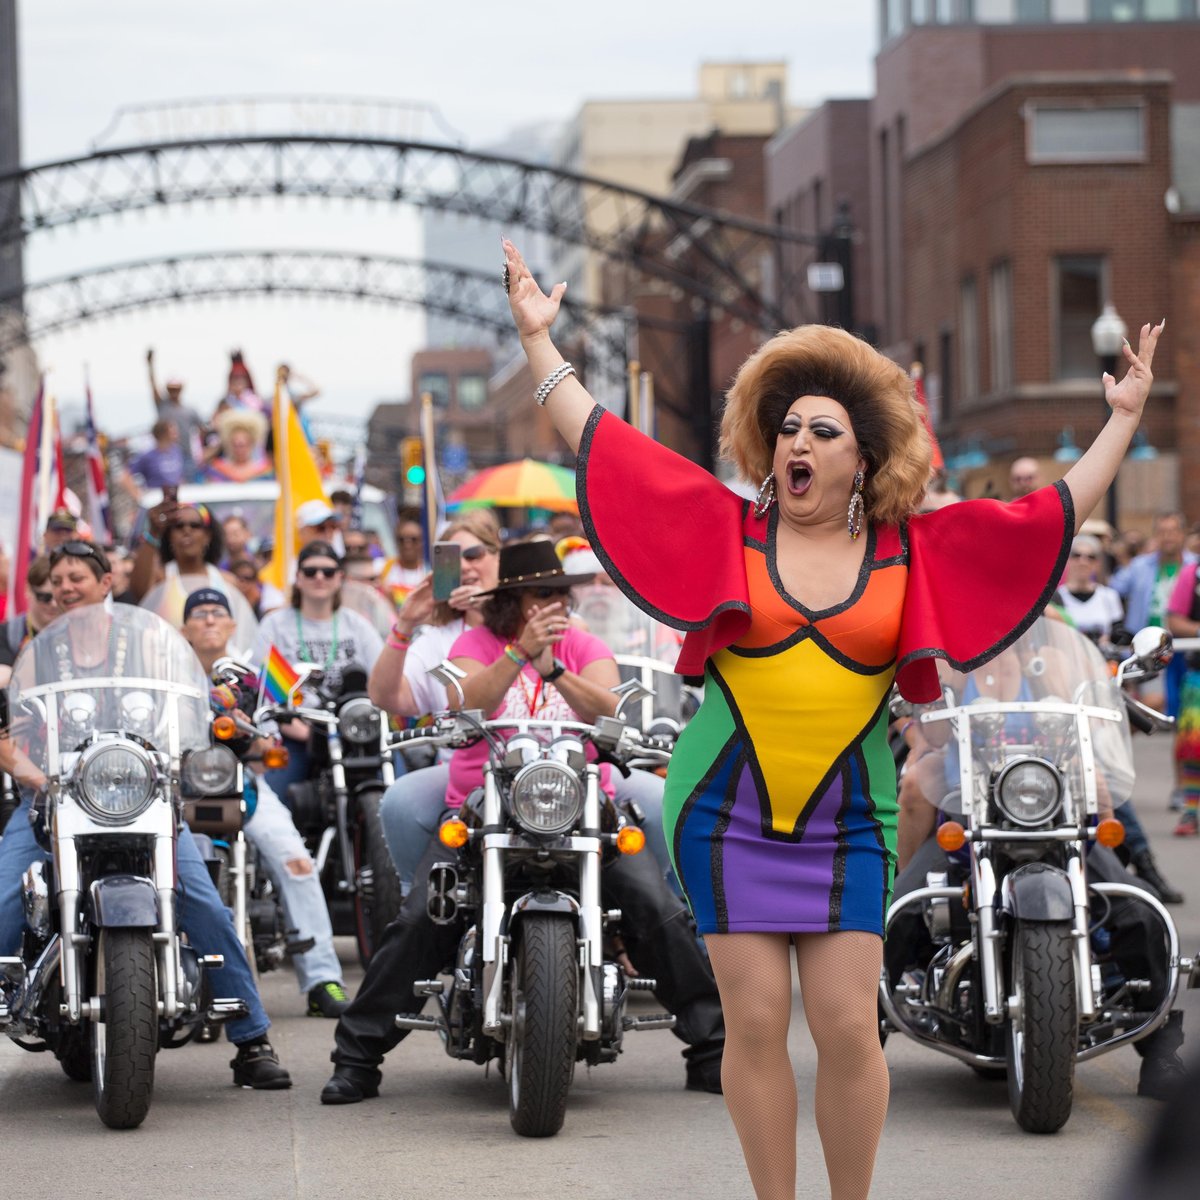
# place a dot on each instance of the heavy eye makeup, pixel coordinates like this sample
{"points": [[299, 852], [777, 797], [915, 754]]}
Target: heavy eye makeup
{"points": [[792, 426]]}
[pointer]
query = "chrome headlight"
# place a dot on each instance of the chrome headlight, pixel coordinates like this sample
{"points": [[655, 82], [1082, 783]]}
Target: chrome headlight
{"points": [[1029, 791], [359, 721], [212, 771], [547, 798], [116, 782]]}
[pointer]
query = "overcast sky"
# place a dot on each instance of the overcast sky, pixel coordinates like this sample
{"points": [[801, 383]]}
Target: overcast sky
{"points": [[486, 67]]}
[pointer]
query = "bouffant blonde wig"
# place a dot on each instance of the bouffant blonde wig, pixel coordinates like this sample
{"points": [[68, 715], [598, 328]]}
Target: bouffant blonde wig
{"points": [[818, 360]]}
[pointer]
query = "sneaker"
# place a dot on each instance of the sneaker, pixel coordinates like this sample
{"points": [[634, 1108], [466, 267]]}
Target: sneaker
{"points": [[1178, 800], [1160, 1075], [350, 1085], [257, 1066], [1189, 825], [327, 1000]]}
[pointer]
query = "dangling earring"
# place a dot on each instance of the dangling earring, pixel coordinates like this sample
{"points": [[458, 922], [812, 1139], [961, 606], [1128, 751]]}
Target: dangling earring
{"points": [[857, 512], [765, 497]]}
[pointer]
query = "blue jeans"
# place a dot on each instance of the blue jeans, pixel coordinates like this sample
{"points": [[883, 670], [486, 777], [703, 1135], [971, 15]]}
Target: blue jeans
{"points": [[287, 861], [200, 913], [296, 770], [413, 805]]}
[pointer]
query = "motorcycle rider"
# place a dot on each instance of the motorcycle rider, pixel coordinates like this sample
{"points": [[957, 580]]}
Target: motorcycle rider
{"points": [[1134, 935], [526, 606], [80, 575], [208, 624]]}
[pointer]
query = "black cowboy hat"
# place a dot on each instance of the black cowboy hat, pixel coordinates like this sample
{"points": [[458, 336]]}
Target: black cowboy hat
{"points": [[534, 564]]}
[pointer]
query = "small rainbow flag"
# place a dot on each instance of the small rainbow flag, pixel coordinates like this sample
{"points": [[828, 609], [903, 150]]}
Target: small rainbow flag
{"points": [[278, 678]]}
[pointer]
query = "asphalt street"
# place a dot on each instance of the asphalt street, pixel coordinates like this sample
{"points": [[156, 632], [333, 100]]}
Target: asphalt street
{"points": [[440, 1128]]}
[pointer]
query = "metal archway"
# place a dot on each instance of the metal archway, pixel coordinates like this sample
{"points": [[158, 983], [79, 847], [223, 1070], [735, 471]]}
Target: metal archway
{"points": [[648, 233], [69, 300]]}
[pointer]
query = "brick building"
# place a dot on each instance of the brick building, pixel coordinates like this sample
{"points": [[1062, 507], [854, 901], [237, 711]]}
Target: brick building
{"points": [[1017, 170]]}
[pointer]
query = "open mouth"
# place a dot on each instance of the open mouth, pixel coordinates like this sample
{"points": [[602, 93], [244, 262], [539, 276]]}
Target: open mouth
{"points": [[799, 478]]}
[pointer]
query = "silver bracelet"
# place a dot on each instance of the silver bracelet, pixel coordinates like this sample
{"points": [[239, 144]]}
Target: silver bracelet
{"points": [[551, 382]]}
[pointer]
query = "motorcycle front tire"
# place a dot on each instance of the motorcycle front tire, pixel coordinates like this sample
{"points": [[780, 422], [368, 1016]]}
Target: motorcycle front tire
{"points": [[1042, 1038], [125, 1040], [539, 1054]]}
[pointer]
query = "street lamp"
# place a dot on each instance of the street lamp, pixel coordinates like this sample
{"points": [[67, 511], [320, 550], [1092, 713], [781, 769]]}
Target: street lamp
{"points": [[1108, 336]]}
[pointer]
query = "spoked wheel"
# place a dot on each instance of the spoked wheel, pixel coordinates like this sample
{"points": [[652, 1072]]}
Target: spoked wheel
{"points": [[1044, 1032], [125, 1039], [539, 1055]]}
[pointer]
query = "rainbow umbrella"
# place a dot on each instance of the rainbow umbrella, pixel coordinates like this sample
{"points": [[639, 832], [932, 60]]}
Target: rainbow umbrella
{"points": [[524, 484]]}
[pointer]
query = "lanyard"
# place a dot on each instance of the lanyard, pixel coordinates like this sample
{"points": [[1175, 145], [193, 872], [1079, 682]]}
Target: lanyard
{"points": [[304, 649], [534, 698]]}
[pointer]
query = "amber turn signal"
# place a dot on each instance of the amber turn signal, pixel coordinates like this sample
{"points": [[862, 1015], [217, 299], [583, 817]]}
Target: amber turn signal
{"points": [[631, 840], [224, 728], [454, 833], [951, 836], [275, 757], [1110, 832]]}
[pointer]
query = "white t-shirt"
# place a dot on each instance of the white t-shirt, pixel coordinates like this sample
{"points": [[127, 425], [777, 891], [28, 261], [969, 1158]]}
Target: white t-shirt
{"points": [[428, 648], [1095, 615], [332, 644]]}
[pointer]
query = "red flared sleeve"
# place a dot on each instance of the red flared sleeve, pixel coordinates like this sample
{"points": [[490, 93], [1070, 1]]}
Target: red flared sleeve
{"points": [[979, 574], [668, 534]]}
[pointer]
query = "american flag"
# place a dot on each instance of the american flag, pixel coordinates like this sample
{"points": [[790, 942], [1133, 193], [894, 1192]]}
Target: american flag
{"points": [[97, 479]]}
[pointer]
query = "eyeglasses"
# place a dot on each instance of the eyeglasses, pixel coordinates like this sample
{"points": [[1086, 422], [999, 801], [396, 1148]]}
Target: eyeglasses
{"points": [[324, 572], [207, 614], [192, 525], [44, 597], [475, 553], [76, 550], [1081, 554]]}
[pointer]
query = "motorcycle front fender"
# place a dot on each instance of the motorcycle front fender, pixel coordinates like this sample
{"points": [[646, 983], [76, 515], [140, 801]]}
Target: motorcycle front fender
{"points": [[123, 902], [1037, 892], [541, 902]]}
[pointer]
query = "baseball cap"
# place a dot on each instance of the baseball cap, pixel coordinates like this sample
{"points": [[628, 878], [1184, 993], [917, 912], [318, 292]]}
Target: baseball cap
{"points": [[315, 512], [62, 520], [203, 596]]}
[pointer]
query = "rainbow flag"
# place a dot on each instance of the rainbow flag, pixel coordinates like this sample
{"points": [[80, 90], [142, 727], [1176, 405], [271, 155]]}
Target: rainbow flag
{"points": [[278, 677]]}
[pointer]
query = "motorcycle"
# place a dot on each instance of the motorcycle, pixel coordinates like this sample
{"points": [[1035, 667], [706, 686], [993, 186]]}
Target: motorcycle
{"points": [[104, 979], [336, 809], [531, 983], [1021, 982]]}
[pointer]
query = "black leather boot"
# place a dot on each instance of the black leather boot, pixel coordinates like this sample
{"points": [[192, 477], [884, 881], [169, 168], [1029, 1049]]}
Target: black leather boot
{"points": [[1147, 870]]}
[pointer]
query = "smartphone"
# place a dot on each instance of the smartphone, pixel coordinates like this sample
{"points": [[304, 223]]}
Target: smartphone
{"points": [[170, 493], [447, 569]]}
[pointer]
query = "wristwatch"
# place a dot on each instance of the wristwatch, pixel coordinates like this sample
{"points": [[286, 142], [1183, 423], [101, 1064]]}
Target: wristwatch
{"points": [[559, 668]]}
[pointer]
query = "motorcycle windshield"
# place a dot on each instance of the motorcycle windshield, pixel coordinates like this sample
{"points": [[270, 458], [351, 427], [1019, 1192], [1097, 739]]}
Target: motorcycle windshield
{"points": [[99, 670], [1034, 699]]}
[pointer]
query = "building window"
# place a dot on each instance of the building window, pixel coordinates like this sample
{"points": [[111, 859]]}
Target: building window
{"points": [[968, 337], [1079, 283], [1073, 133], [1033, 11], [437, 384], [1000, 343], [472, 391], [945, 366]]}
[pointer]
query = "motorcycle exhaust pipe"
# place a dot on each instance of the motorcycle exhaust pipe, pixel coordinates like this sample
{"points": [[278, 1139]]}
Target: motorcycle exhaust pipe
{"points": [[441, 904]]}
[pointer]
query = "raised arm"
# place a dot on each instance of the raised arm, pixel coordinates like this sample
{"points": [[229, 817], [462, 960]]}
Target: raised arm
{"points": [[569, 404], [1091, 476], [154, 392]]}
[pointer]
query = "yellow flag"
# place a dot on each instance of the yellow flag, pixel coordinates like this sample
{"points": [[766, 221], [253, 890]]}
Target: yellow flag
{"points": [[299, 481]]}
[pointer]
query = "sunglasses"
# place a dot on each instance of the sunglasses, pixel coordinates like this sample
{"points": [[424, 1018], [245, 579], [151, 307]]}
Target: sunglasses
{"points": [[193, 525], [44, 597], [1080, 554], [207, 614], [475, 553], [544, 593], [404, 537], [324, 572], [246, 576], [76, 550]]}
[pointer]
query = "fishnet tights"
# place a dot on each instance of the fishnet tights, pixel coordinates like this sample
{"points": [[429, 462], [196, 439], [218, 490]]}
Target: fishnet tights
{"points": [[839, 982]]}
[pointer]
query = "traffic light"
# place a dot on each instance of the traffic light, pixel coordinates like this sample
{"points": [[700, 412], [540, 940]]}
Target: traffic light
{"points": [[412, 461]]}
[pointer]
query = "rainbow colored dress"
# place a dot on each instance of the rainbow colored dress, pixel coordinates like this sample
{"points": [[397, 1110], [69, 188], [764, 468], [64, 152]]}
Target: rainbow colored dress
{"points": [[780, 804]]}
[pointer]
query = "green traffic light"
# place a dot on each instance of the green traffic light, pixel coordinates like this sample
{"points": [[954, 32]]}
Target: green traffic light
{"points": [[415, 475]]}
